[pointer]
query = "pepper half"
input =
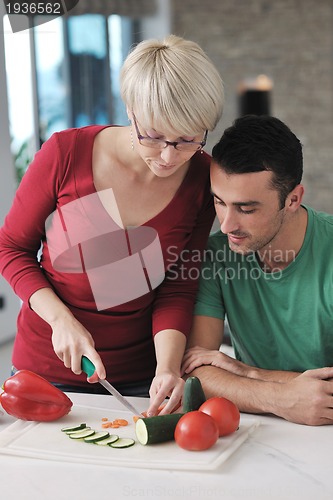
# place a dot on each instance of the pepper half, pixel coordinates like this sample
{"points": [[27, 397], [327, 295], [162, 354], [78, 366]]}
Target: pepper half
{"points": [[29, 396]]}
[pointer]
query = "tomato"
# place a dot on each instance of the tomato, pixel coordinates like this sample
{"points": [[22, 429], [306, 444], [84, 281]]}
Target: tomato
{"points": [[196, 431], [224, 412]]}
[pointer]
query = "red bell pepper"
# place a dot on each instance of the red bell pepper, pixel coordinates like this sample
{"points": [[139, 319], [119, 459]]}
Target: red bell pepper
{"points": [[29, 396]]}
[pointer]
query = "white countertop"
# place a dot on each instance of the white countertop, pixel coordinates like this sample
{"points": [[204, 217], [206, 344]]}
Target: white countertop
{"points": [[278, 461]]}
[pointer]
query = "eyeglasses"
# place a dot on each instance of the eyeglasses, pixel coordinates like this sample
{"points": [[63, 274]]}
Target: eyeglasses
{"points": [[150, 142]]}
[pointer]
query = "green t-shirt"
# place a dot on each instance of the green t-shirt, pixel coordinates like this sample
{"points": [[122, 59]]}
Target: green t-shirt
{"points": [[281, 320]]}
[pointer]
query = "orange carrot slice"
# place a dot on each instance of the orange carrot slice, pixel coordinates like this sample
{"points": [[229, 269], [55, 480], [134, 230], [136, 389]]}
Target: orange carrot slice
{"points": [[121, 421]]}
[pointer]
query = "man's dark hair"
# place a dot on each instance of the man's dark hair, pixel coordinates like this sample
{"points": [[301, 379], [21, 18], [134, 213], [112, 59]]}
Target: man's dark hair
{"points": [[256, 143]]}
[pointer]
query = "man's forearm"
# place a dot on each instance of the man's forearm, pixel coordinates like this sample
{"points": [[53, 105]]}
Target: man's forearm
{"points": [[200, 356], [271, 375], [239, 368], [304, 399], [250, 395]]}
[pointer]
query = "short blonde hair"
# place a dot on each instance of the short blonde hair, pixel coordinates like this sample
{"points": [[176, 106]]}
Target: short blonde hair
{"points": [[172, 85]]}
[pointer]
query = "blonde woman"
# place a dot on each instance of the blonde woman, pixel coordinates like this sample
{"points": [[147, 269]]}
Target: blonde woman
{"points": [[150, 177]]}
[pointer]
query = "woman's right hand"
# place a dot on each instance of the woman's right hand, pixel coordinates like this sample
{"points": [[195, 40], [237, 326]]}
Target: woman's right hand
{"points": [[71, 340]]}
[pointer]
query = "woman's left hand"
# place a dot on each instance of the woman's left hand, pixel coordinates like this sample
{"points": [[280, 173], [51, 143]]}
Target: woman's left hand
{"points": [[166, 384]]}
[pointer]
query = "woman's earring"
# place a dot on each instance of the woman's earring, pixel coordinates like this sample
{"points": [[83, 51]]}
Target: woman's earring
{"points": [[132, 145], [201, 151]]}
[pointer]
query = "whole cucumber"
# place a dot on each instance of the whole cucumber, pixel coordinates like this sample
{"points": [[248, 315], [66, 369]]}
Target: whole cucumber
{"points": [[194, 395]]}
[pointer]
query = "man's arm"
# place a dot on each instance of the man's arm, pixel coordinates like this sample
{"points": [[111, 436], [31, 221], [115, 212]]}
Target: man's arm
{"points": [[303, 398], [203, 349], [220, 374]]}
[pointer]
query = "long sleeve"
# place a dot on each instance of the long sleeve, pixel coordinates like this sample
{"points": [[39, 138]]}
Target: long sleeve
{"points": [[23, 231]]}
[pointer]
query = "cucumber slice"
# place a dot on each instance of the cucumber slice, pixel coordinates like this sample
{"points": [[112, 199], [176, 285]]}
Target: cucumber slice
{"points": [[74, 428], [122, 443], [96, 437], [82, 434], [77, 432], [111, 439]]}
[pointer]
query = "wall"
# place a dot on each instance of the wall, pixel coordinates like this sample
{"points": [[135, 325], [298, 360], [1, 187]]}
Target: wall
{"points": [[158, 24], [291, 41]]}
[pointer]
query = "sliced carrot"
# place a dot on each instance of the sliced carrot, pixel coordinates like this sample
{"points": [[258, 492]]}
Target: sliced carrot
{"points": [[142, 414], [118, 422], [121, 421]]}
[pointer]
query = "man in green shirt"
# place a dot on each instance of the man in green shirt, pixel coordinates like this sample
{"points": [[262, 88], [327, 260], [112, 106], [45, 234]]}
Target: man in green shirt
{"points": [[269, 272]]}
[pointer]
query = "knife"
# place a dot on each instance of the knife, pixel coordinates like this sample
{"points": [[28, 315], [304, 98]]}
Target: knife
{"points": [[89, 368]]}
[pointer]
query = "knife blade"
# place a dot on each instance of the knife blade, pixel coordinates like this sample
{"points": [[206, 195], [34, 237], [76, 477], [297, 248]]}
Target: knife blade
{"points": [[89, 368]]}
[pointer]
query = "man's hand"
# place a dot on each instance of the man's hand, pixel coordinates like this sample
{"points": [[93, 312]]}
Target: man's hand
{"points": [[307, 399], [198, 356]]}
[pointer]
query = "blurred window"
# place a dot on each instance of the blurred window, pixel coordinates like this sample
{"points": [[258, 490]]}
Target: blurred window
{"points": [[20, 96], [62, 74]]}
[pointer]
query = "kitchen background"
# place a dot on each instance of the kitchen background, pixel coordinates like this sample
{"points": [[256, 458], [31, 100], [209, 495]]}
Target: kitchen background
{"points": [[64, 73]]}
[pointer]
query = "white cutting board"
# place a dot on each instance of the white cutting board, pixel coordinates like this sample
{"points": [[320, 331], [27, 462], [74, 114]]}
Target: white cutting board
{"points": [[44, 440]]}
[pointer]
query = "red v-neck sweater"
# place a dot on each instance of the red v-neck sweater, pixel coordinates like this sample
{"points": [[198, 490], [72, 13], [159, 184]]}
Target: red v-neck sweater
{"points": [[61, 172]]}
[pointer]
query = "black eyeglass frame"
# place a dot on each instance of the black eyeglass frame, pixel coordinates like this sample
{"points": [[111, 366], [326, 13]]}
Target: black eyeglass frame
{"points": [[159, 142]]}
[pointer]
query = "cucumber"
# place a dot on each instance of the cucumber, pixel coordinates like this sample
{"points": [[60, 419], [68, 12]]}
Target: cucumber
{"points": [[74, 428], [70, 433], [82, 434], [107, 441], [150, 430], [103, 438], [122, 443], [194, 395], [96, 437]]}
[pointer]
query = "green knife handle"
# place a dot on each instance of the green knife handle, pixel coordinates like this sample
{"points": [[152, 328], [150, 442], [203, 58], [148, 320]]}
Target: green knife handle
{"points": [[87, 366]]}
